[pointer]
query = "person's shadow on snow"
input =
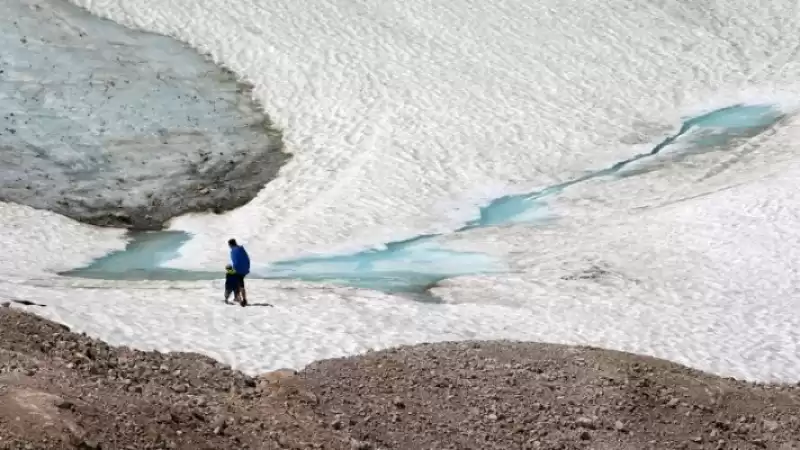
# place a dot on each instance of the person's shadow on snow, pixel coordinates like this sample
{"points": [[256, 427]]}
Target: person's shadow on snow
{"points": [[249, 305]]}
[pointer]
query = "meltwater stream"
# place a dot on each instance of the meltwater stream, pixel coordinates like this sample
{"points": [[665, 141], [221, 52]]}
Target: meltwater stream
{"points": [[415, 265]]}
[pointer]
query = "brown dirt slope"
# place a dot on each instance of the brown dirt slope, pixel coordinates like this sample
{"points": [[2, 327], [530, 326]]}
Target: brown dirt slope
{"points": [[61, 390]]}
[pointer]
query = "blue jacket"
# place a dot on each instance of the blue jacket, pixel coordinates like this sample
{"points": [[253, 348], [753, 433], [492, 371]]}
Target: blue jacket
{"points": [[240, 260]]}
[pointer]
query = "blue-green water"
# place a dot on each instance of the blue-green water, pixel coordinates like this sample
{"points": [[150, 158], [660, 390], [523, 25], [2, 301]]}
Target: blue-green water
{"points": [[414, 265], [410, 266], [712, 130]]}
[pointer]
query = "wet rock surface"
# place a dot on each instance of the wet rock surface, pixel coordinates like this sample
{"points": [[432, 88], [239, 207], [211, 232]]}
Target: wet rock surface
{"points": [[117, 127], [59, 390]]}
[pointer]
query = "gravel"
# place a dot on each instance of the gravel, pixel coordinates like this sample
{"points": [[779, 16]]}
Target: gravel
{"points": [[59, 389]]}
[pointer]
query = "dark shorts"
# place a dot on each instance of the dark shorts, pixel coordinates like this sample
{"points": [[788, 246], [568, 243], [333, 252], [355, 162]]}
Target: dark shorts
{"points": [[233, 283]]}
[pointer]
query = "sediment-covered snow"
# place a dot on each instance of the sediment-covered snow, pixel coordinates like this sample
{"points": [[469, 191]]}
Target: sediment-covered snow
{"points": [[398, 114], [119, 127]]}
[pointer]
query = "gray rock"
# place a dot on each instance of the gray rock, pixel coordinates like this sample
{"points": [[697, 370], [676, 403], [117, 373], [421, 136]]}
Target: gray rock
{"points": [[360, 445], [88, 444], [586, 422], [219, 425], [398, 402], [771, 425], [63, 404]]}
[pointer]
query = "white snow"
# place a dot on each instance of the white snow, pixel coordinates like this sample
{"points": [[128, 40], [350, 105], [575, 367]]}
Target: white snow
{"points": [[400, 115]]}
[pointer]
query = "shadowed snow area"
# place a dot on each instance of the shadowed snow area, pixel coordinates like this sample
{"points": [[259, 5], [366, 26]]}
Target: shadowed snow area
{"points": [[618, 174], [417, 264], [118, 127]]}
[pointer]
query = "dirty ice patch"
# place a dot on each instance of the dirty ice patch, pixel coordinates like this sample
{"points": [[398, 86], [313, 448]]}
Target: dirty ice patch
{"points": [[112, 126]]}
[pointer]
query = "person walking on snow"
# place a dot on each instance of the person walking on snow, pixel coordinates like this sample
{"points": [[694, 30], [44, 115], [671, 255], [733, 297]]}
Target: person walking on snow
{"points": [[240, 261], [232, 285]]}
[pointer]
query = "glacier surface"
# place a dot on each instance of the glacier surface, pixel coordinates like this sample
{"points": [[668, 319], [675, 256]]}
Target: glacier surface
{"points": [[118, 127], [405, 119]]}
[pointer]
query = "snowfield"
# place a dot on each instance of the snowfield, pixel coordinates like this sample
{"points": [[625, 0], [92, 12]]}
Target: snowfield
{"points": [[404, 118]]}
